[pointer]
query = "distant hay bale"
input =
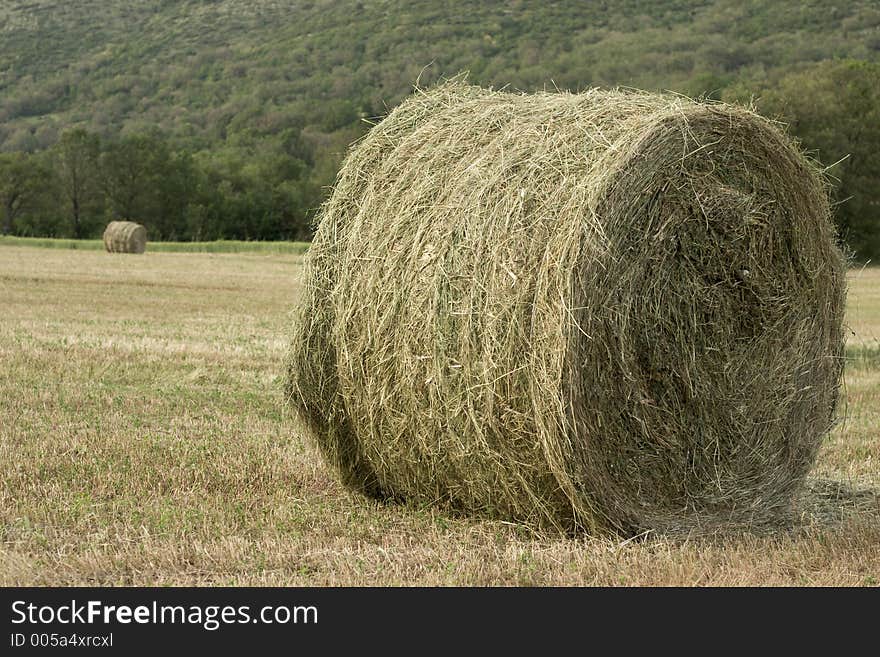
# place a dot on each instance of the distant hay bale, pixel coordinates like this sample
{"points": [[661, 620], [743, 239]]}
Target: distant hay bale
{"points": [[598, 311], [125, 237]]}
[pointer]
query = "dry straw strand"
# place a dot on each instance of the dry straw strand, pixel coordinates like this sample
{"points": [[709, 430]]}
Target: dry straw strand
{"points": [[125, 237], [609, 310]]}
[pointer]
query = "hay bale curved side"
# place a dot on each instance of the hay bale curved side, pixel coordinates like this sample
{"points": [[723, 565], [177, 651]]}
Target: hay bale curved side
{"points": [[125, 237], [589, 311]]}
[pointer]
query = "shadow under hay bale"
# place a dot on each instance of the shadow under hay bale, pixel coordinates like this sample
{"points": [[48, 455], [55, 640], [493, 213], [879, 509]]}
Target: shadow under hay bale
{"points": [[826, 502], [606, 310], [125, 237]]}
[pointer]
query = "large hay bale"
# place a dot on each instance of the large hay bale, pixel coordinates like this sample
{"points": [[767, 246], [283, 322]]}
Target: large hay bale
{"points": [[125, 237], [604, 310]]}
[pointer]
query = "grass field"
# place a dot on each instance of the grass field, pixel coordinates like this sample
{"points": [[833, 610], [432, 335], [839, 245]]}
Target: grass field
{"points": [[143, 441]]}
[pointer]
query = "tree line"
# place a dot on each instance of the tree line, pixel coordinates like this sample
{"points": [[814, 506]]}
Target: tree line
{"points": [[258, 186], [260, 191]]}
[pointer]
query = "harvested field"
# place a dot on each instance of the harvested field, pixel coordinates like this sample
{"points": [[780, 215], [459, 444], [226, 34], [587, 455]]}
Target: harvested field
{"points": [[143, 440]]}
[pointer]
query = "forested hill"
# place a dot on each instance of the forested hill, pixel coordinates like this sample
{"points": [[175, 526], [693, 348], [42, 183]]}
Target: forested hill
{"points": [[251, 102]]}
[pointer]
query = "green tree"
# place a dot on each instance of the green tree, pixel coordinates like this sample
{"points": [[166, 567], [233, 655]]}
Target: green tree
{"points": [[22, 179], [174, 185], [145, 181], [124, 171], [834, 109], [76, 158]]}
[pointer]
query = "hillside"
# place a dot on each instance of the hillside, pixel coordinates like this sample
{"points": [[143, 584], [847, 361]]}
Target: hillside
{"points": [[221, 79], [204, 70]]}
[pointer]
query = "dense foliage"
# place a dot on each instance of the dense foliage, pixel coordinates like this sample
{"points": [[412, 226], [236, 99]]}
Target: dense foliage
{"points": [[228, 118]]}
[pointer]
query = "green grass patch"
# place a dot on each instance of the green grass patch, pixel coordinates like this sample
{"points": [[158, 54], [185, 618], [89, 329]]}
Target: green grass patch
{"points": [[219, 246]]}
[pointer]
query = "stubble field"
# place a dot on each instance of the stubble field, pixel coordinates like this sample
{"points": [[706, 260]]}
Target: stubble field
{"points": [[143, 441]]}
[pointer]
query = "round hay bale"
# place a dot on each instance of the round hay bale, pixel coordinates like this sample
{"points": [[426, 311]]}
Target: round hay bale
{"points": [[605, 310], [125, 237]]}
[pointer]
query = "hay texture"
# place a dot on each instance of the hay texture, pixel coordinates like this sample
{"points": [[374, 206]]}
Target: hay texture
{"points": [[125, 237], [597, 311]]}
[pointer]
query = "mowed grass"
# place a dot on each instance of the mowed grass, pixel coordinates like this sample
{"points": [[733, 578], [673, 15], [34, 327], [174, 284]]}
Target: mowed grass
{"points": [[143, 441]]}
